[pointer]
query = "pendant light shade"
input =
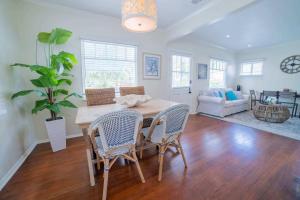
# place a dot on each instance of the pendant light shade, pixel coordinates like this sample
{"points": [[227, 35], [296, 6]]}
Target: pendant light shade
{"points": [[139, 15]]}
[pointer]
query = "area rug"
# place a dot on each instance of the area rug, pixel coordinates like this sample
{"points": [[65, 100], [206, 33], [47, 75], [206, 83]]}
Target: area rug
{"points": [[290, 128]]}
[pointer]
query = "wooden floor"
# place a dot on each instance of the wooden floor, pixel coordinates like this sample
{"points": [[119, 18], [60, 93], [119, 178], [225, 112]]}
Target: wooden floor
{"points": [[226, 161]]}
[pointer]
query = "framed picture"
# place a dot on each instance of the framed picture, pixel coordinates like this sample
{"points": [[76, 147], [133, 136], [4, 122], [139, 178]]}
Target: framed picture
{"points": [[202, 71], [152, 64]]}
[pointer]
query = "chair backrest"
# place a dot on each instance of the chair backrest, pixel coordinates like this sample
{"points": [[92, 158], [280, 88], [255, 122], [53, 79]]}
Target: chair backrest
{"points": [[118, 128], [252, 94], [139, 90], [270, 93], [100, 96], [175, 118], [288, 95]]}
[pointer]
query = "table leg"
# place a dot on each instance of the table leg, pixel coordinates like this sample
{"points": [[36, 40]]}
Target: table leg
{"points": [[89, 154]]}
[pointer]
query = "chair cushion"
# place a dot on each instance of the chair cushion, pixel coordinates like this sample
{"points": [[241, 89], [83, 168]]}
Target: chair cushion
{"points": [[236, 102], [230, 96]]}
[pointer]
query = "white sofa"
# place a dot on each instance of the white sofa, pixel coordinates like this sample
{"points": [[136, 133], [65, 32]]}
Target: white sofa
{"points": [[209, 104]]}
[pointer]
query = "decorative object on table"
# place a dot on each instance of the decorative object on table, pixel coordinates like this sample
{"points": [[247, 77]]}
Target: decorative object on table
{"points": [[152, 66], [139, 16], [132, 100], [291, 65], [271, 113], [238, 88], [202, 71], [53, 77]]}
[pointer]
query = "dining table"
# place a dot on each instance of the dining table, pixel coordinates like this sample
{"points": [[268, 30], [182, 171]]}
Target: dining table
{"points": [[87, 114]]}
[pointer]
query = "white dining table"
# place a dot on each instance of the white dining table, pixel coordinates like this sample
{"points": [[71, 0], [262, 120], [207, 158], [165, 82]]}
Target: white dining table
{"points": [[87, 114]]}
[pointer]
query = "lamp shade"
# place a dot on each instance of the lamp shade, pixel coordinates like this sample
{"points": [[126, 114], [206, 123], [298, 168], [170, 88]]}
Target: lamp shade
{"points": [[139, 15]]}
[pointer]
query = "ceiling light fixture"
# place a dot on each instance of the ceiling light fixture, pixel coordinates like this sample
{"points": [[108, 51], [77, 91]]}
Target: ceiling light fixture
{"points": [[227, 36], [139, 15], [249, 45]]}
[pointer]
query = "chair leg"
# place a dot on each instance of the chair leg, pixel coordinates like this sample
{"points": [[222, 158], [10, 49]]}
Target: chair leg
{"points": [[138, 167], [182, 153], [161, 163], [141, 151], [105, 175]]}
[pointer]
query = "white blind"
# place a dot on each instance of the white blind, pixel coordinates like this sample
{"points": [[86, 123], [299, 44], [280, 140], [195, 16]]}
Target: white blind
{"points": [[181, 66], [217, 77], [252, 68], [108, 65]]}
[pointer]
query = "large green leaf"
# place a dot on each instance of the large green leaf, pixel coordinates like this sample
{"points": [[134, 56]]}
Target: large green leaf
{"points": [[26, 92], [73, 94], [45, 81], [60, 91], [70, 57], [54, 108], [43, 37], [66, 103], [20, 65], [59, 36], [40, 105], [61, 81]]}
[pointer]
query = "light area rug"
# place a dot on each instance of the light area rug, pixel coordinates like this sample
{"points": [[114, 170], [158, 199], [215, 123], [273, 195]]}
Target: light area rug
{"points": [[290, 128]]}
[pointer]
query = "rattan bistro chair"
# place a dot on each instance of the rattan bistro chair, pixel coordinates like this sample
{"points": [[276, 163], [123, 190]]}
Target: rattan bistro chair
{"points": [[100, 96], [139, 90], [165, 132], [114, 135]]}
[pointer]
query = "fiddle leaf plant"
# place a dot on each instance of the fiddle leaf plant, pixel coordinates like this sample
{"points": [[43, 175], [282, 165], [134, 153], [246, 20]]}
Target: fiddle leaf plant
{"points": [[53, 77]]}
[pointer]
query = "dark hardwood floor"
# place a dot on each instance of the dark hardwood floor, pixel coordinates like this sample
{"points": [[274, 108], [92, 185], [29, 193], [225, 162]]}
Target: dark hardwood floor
{"points": [[225, 161]]}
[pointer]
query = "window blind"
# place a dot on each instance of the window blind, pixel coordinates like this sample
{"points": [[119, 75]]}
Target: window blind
{"points": [[108, 65]]}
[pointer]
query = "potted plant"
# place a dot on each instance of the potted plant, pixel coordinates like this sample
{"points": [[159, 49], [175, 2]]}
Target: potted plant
{"points": [[50, 84]]}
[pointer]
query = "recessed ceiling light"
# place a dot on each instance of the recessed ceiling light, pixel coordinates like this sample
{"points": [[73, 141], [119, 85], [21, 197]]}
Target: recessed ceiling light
{"points": [[249, 45], [227, 36]]}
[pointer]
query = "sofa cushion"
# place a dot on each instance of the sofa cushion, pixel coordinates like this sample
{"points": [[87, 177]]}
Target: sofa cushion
{"points": [[235, 102], [230, 96]]}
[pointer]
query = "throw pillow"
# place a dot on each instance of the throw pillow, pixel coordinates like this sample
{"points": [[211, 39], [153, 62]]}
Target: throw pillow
{"points": [[230, 96]]}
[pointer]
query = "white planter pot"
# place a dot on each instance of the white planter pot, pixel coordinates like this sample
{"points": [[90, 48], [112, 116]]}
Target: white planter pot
{"points": [[57, 134]]}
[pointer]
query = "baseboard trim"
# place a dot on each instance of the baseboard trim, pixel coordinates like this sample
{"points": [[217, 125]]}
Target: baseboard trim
{"points": [[4, 180], [68, 137]]}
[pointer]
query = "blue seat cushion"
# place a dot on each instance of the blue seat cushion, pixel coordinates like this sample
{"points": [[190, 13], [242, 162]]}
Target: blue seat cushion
{"points": [[230, 96]]}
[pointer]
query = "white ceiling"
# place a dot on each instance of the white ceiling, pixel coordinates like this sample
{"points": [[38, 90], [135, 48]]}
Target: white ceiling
{"points": [[169, 11], [264, 23]]}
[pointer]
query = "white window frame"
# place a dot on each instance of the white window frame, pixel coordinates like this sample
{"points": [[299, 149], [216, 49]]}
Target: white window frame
{"points": [[174, 53], [83, 70], [252, 62], [225, 71]]}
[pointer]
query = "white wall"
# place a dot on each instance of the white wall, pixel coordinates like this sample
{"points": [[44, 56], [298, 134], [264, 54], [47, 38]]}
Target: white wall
{"points": [[16, 135], [273, 78], [36, 18]]}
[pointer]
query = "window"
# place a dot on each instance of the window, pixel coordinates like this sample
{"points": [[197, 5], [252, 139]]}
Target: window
{"points": [[181, 66], [252, 68], [217, 77], [108, 65]]}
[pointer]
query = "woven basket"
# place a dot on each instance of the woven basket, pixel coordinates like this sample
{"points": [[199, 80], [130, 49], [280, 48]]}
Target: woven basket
{"points": [[272, 113]]}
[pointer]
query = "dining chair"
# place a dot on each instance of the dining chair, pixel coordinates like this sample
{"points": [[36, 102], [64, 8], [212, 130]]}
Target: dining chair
{"points": [[100, 96], [113, 136], [253, 98], [165, 132], [139, 90], [289, 99]]}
